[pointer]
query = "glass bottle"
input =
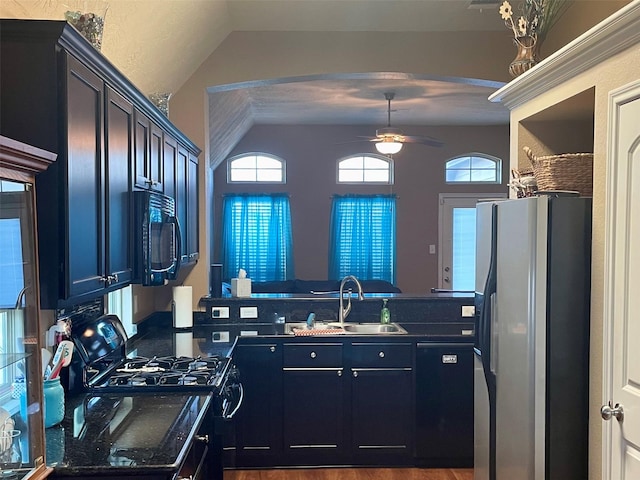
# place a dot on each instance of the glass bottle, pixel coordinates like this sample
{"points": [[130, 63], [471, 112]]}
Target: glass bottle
{"points": [[385, 314]]}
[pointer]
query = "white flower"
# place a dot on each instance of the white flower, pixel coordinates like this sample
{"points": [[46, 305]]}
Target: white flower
{"points": [[506, 11], [522, 26]]}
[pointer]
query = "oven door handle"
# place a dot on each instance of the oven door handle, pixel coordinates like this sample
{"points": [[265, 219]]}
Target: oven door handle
{"points": [[229, 416]]}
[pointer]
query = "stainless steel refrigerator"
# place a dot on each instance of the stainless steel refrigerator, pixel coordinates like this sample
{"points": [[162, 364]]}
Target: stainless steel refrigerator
{"points": [[531, 362]]}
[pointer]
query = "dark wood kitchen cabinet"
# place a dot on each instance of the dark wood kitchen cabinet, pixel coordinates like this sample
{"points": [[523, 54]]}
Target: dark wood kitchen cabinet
{"points": [[381, 419], [258, 423], [444, 404], [94, 219], [186, 188], [61, 95], [192, 225], [315, 395], [148, 164]]}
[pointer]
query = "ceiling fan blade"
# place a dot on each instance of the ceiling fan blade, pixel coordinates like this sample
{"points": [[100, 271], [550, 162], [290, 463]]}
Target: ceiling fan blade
{"points": [[432, 142]]}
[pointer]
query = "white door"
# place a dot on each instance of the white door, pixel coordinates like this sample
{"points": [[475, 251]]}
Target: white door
{"points": [[457, 239], [621, 436]]}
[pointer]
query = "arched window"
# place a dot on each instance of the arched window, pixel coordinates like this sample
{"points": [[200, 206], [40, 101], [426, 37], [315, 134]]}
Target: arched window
{"points": [[256, 168], [474, 168], [365, 168]]}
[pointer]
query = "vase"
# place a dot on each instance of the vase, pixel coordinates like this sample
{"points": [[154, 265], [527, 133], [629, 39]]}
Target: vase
{"points": [[90, 26], [161, 100], [527, 56]]}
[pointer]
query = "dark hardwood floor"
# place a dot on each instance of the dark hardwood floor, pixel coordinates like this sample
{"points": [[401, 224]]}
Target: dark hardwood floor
{"points": [[351, 474]]}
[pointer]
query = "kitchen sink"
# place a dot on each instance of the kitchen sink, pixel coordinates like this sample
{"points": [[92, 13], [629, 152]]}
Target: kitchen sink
{"points": [[320, 328], [334, 328], [374, 328]]}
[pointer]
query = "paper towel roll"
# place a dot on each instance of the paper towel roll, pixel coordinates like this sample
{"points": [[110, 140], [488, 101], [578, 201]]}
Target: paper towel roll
{"points": [[181, 306], [184, 344]]}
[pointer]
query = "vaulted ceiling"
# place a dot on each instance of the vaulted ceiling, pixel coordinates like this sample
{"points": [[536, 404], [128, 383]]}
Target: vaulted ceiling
{"points": [[159, 44]]}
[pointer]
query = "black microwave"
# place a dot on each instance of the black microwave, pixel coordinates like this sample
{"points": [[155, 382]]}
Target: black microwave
{"points": [[157, 238]]}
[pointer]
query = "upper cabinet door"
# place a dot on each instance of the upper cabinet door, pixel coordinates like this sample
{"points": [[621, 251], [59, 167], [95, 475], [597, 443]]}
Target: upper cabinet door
{"points": [[192, 209], [148, 153], [85, 222], [119, 147], [141, 152]]}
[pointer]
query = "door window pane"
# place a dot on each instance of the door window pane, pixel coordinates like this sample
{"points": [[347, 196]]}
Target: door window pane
{"points": [[464, 248]]}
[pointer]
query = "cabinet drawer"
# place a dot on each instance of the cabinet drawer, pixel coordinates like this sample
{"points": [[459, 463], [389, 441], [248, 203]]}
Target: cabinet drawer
{"points": [[381, 355], [313, 355]]}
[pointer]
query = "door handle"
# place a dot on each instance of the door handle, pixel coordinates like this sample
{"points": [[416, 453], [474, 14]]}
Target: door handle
{"points": [[606, 412]]}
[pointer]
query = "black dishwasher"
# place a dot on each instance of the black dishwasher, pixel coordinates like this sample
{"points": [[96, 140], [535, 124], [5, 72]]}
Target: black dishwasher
{"points": [[444, 404]]}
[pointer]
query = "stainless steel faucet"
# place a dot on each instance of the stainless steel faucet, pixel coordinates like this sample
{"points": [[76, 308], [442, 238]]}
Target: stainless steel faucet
{"points": [[344, 312]]}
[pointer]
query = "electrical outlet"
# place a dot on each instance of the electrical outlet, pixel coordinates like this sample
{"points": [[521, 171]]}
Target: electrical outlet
{"points": [[248, 312], [468, 310], [219, 312], [432, 249], [220, 337]]}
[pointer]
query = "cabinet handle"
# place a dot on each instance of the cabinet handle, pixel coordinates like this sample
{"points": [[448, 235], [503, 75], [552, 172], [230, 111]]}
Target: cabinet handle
{"points": [[202, 438], [381, 354], [313, 355], [104, 280], [272, 349], [355, 374]]}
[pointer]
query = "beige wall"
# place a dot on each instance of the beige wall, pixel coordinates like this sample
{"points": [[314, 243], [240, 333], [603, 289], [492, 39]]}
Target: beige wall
{"points": [[245, 56], [311, 153]]}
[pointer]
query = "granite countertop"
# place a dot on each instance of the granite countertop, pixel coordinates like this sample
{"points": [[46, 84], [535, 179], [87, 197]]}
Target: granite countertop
{"points": [[124, 433]]}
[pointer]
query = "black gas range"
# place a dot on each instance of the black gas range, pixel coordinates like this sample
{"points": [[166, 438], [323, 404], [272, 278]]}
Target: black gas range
{"points": [[102, 364], [108, 365]]}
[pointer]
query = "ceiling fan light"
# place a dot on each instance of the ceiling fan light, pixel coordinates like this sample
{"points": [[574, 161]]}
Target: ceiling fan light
{"points": [[388, 146]]}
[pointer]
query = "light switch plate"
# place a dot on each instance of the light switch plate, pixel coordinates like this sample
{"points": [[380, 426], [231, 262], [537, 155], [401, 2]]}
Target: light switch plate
{"points": [[468, 310], [220, 312], [248, 312]]}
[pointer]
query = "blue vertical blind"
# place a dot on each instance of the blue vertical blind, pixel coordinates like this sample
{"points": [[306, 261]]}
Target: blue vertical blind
{"points": [[11, 262], [362, 238], [257, 237], [464, 249]]}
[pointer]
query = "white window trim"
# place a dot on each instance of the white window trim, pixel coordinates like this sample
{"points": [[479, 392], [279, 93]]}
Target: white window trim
{"points": [[498, 169], [389, 161], [256, 154]]}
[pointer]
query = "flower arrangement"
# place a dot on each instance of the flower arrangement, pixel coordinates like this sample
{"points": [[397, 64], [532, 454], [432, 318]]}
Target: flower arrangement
{"points": [[536, 19]]}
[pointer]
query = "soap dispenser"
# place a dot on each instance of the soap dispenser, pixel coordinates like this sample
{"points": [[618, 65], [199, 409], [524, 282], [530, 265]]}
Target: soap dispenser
{"points": [[385, 315]]}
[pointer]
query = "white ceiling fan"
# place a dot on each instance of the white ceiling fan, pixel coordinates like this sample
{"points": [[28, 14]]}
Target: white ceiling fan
{"points": [[389, 140]]}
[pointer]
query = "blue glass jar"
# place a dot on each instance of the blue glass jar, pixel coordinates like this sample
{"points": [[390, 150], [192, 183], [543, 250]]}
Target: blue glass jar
{"points": [[53, 402]]}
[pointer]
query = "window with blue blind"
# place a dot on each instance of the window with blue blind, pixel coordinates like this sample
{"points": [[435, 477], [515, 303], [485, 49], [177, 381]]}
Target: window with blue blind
{"points": [[362, 239], [257, 237]]}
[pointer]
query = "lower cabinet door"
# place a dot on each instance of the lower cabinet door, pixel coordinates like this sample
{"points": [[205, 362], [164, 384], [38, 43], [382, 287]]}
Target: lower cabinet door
{"points": [[444, 404], [381, 415], [314, 407], [258, 427]]}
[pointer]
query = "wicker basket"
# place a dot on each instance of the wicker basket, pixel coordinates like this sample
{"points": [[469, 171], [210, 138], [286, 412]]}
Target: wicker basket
{"points": [[569, 171]]}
